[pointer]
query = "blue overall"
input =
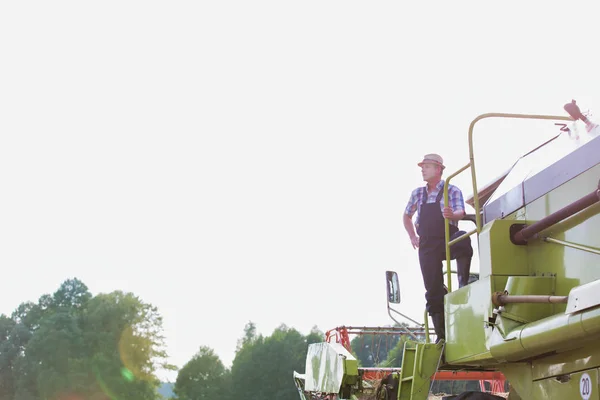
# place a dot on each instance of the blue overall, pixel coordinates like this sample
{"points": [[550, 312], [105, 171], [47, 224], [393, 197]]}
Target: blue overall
{"points": [[432, 251]]}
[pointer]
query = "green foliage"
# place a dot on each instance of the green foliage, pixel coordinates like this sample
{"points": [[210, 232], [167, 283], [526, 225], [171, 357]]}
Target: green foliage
{"points": [[315, 336], [203, 378], [249, 336], [55, 353], [394, 356], [263, 366], [75, 345]]}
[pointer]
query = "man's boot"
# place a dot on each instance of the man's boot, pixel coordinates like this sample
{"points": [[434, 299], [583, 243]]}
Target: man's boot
{"points": [[463, 266], [439, 326]]}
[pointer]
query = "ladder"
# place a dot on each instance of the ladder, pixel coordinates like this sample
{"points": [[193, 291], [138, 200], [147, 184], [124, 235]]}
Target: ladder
{"points": [[419, 362]]}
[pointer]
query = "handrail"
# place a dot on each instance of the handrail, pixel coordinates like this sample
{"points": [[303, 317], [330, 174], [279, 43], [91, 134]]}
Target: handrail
{"points": [[447, 227], [471, 165], [427, 340]]}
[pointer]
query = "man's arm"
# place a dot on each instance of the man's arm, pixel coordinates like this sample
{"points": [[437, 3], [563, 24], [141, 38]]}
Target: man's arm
{"points": [[410, 229], [409, 211]]}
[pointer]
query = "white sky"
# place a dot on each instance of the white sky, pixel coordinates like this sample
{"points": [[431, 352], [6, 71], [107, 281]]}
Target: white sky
{"points": [[230, 161]]}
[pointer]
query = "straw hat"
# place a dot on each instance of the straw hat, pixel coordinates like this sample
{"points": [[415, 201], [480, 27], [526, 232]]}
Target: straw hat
{"points": [[432, 159]]}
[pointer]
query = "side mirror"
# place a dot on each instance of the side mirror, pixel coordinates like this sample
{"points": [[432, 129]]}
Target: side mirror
{"points": [[393, 297], [393, 287]]}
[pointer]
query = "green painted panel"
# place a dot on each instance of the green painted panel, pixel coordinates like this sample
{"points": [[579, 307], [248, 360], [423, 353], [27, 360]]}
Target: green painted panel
{"points": [[520, 378], [497, 254], [468, 313], [565, 363], [466, 332], [581, 385]]}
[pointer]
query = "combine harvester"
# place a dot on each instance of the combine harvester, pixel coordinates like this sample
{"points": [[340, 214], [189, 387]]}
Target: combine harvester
{"points": [[533, 315]]}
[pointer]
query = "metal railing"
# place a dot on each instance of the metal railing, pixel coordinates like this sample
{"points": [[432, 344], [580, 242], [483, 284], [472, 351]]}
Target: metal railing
{"points": [[471, 165]]}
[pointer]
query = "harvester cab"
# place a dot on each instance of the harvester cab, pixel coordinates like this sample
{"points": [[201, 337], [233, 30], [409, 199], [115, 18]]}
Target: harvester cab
{"points": [[531, 316]]}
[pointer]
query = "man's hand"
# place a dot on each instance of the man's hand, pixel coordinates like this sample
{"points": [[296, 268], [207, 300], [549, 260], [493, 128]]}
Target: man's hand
{"points": [[448, 213], [451, 215], [414, 240]]}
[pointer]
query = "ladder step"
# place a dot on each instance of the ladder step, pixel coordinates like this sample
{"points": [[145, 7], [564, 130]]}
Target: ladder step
{"points": [[409, 378]]}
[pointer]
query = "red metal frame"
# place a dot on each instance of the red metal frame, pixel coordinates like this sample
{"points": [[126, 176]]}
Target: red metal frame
{"points": [[341, 335]]}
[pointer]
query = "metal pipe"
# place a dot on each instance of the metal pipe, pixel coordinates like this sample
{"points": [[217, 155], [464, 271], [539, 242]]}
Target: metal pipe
{"points": [[396, 321], [387, 333], [405, 316], [371, 373], [468, 375], [500, 299], [462, 237], [589, 249], [531, 231], [400, 331], [373, 328]]}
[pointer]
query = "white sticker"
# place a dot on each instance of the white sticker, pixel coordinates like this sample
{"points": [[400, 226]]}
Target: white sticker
{"points": [[585, 386]]}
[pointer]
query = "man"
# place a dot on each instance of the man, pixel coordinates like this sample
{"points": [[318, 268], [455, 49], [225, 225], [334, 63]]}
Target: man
{"points": [[428, 203]]}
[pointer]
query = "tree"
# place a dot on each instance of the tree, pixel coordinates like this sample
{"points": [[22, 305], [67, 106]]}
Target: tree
{"points": [[203, 378], [242, 371], [71, 344], [263, 367], [371, 350], [8, 352], [394, 356], [249, 335], [315, 336], [56, 353], [56, 356], [72, 294], [125, 346], [26, 319]]}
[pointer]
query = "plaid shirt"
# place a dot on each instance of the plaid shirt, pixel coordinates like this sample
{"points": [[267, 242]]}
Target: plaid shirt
{"points": [[455, 197]]}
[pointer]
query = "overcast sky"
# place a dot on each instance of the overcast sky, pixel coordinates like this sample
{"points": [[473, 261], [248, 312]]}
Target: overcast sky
{"points": [[235, 161]]}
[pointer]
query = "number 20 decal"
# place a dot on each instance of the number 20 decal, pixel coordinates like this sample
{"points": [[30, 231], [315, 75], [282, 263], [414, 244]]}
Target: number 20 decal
{"points": [[585, 386]]}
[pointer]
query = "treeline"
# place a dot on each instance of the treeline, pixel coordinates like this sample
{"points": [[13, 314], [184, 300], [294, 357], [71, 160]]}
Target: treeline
{"points": [[262, 368], [72, 345]]}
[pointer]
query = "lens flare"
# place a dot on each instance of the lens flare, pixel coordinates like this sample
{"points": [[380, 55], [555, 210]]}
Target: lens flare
{"points": [[132, 349], [127, 374]]}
